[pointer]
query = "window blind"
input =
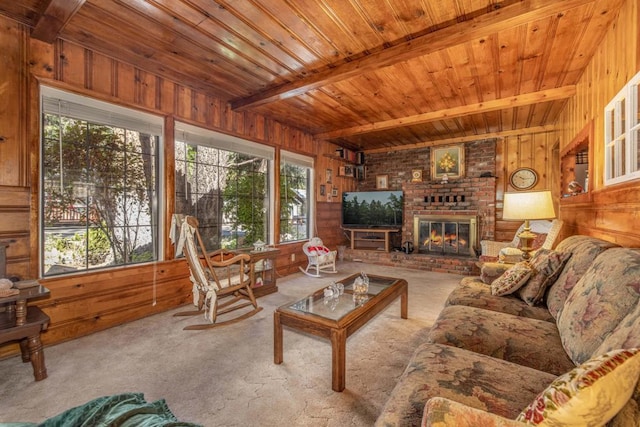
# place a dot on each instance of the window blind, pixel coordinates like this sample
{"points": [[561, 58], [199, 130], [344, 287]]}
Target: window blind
{"points": [[199, 136], [296, 159], [58, 102]]}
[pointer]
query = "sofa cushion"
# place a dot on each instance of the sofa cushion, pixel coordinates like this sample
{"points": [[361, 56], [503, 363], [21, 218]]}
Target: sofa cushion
{"points": [[512, 279], [465, 377], [601, 301], [584, 250], [546, 266], [528, 342], [590, 394], [472, 292]]}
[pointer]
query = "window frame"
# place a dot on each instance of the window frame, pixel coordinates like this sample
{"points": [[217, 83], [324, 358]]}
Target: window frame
{"points": [[621, 135], [306, 162], [201, 136], [101, 113]]}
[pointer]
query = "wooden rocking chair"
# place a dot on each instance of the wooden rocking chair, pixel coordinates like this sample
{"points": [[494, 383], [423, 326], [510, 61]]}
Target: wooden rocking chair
{"points": [[220, 281]]}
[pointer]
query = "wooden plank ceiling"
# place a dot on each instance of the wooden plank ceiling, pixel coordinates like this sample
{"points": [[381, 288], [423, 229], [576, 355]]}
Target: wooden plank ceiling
{"points": [[365, 74]]}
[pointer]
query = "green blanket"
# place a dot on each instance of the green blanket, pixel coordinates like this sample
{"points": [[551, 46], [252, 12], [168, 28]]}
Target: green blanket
{"points": [[122, 410]]}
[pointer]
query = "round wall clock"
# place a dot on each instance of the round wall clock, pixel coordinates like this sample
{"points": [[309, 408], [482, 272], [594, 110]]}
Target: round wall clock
{"points": [[523, 178], [416, 175]]}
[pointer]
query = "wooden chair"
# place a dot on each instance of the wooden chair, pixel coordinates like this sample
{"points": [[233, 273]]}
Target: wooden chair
{"points": [[547, 232], [320, 258], [220, 280]]}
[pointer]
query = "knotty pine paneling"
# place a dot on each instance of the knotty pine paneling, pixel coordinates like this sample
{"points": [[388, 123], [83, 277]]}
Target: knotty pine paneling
{"points": [[87, 302], [613, 212], [13, 87], [513, 152]]}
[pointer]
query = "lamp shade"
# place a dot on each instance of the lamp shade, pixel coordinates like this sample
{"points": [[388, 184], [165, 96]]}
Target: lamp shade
{"points": [[529, 205]]}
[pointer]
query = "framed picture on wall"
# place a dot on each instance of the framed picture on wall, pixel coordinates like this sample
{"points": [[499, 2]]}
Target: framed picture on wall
{"points": [[329, 176], [322, 190], [447, 161], [382, 182]]}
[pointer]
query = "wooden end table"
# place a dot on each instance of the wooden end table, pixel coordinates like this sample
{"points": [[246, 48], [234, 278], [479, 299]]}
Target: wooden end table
{"points": [[339, 318], [18, 322]]}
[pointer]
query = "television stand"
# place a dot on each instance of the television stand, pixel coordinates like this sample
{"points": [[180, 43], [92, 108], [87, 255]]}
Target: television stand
{"points": [[376, 239]]}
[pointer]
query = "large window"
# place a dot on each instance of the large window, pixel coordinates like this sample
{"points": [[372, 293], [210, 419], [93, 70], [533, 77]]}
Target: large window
{"points": [[100, 184], [224, 182], [622, 132], [295, 197]]}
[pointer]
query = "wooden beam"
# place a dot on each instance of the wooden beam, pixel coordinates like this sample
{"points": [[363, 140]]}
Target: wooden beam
{"points": [[462, 139], [57, 14], [449, 113], [507, 17]]}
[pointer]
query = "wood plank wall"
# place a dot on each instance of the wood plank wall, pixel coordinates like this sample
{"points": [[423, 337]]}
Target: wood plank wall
{"points": [[85, 303], [513, 152], [614, 212]]}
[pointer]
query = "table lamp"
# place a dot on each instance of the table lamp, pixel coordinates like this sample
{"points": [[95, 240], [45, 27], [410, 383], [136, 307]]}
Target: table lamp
{"points": [[527, 206]]}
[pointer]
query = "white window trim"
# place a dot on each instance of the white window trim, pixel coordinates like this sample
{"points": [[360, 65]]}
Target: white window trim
{"points": [[305, 161], [202, 136], [85, 108], [629, 95]]}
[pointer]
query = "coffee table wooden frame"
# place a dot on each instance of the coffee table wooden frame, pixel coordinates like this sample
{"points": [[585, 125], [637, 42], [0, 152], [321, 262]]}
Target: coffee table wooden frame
{"points": [[337, 331]]}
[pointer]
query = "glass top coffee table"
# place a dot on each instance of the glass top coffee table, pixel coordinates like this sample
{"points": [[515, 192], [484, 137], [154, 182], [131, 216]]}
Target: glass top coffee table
{"points": [[338, 318]]}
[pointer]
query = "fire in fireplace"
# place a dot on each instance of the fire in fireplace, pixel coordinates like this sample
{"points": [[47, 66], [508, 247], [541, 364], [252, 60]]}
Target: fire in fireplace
{"points": [[445, 234]]}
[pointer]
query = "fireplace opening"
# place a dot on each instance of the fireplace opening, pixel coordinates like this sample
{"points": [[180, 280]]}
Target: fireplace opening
{"points": [[445, 234]]}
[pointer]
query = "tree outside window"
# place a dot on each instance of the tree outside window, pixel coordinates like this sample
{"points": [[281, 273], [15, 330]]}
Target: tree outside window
{"points": [[99, 195], [294, 201]]}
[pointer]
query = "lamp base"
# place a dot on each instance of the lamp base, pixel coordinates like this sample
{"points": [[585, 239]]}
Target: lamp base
{"points": [[526, 237]]}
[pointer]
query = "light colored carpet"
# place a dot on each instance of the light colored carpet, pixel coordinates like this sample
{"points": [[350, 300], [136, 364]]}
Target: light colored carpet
{"points": [[226, 376]]}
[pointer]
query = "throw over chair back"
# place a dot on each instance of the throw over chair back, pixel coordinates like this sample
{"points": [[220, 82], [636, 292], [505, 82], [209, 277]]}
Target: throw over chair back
{"points": [[220, 280]]}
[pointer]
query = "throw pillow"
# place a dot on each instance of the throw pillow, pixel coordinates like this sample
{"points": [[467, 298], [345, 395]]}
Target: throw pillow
{"points": [[588, 395], [319, 250], [490, 271], [546, 266], [512, 279]]}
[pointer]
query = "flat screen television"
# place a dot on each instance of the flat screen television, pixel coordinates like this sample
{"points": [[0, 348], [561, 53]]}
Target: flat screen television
{"points": [[372, 209]]}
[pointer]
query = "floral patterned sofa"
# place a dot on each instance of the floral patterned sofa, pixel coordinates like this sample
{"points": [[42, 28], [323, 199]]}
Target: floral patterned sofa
{"points": [[512, 360]]}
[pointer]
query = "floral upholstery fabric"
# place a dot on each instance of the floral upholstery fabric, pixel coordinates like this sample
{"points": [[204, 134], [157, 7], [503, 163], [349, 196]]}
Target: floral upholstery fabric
{"points": [[472, 292], [512, 279], [584, 250], [478, 364], [465, 377], [606, 297], [440, 412], [511, 338], [590, 394], [546, 266], [490, 271]]}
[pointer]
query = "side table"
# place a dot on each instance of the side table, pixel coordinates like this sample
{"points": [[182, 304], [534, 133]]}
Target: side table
{"points": [[18, 322], [262, 270]]}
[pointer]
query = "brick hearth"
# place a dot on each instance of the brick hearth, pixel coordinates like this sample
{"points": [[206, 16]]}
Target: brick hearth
{"points": [[440, 263]]}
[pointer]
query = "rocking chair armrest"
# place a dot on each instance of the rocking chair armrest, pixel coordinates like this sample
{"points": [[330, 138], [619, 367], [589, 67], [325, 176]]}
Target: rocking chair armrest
{"points": [[236, 259]]}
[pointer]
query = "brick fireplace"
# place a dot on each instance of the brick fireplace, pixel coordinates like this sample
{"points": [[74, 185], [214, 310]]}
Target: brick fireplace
{"points": [[458, 200]]}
